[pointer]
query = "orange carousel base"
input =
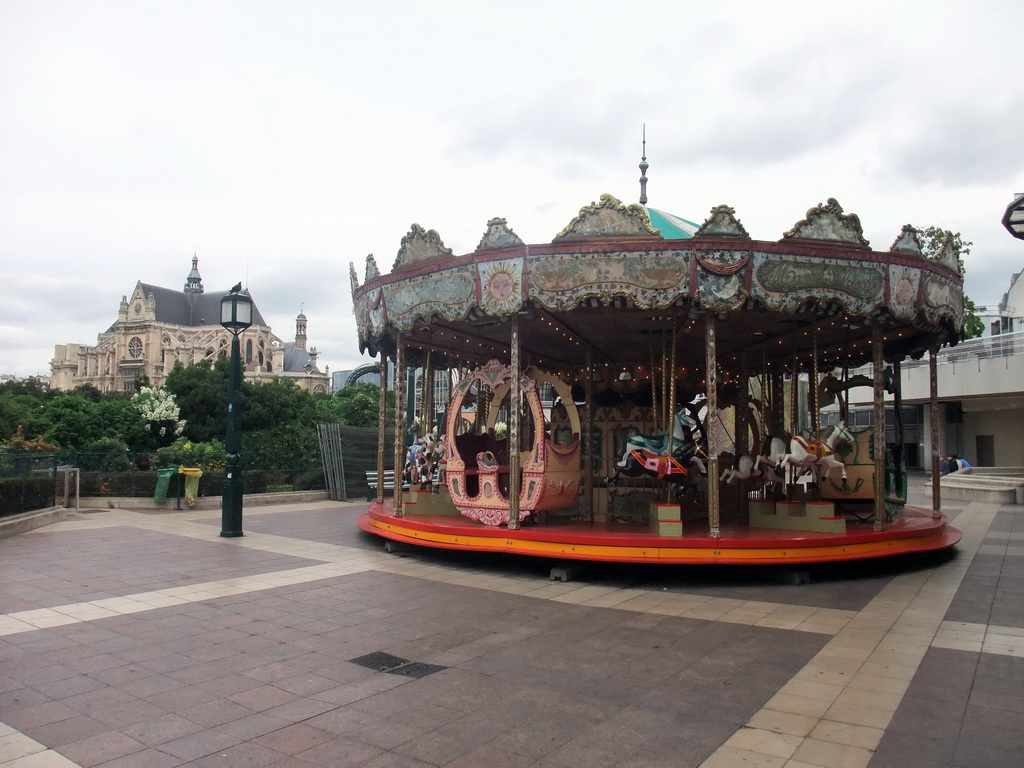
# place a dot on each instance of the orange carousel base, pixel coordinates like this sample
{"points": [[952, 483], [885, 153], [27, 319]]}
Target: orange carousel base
{"points": [[914, 530]]}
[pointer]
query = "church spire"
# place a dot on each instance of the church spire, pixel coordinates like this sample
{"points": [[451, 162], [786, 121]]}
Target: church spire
{"points": [[194, 283], [643, 169]]}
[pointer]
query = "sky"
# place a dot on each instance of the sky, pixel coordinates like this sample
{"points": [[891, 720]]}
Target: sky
{"points": [[278, 142]]}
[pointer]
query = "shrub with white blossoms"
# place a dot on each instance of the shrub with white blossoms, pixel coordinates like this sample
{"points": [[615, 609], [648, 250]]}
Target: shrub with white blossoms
{"points": [[157, 407]]}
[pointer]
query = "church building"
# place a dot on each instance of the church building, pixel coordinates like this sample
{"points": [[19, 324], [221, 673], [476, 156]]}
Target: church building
{"points": [[157, 327]]}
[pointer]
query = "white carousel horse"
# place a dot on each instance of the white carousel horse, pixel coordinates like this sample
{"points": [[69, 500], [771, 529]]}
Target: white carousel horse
{"points": [[745, 469], [816, 454]]}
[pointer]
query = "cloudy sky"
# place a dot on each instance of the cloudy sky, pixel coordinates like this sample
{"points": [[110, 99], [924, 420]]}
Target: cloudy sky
{"points": [[279, 141]]}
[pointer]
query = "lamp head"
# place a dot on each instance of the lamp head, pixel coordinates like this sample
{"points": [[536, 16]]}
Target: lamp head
{"points": [[236, 312]]}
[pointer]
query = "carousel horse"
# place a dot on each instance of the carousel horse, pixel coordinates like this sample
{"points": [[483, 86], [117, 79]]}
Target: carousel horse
{"points": [[831, 385], [422, 460], [770, 477], [816, 454], [649, 454], [745, 469]]}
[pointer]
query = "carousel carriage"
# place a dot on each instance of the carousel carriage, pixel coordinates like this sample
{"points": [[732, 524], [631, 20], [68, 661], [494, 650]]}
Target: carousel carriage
{"points": [[478, 468]]}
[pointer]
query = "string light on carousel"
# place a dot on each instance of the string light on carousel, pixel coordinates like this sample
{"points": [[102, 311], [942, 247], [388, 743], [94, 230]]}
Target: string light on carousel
{"points": [[646, 388]]}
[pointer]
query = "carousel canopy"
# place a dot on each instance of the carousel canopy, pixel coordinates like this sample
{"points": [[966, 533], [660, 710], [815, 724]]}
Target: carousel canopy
{"points": [[620, 279]]}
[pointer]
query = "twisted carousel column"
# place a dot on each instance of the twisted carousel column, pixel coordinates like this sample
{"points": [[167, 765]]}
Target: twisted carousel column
{"points": [[933, 418], [879, 420], [427, 401], [813, 388], [743, 416], [382, 419], [514, 395], [778, 402], [714, 513], [588, 434], [400, 394]]}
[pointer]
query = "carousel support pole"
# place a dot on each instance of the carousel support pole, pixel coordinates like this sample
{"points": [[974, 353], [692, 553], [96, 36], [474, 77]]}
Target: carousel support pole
{"points": [[588, 434], [400, 395], [667, 374], [514, 396], [742, 420], [670, 412], [933, 417], [382, 409], [879, 420], [427, 401], [654, 386], [778, 409], [714, 511], [813, 393], [794, 398]]}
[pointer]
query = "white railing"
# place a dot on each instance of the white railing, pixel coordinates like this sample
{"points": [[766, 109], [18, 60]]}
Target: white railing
{"points": [[1003, 345]]}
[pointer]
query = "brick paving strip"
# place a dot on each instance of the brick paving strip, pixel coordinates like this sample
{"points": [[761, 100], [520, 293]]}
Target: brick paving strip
{"points": [[832, 713]]}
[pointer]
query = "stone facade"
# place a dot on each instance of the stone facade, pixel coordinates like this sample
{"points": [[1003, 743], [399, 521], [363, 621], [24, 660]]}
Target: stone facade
{"points": [[157, 327]]}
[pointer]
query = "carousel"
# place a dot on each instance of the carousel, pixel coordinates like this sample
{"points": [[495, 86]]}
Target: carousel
{"points": [[647, 389]]}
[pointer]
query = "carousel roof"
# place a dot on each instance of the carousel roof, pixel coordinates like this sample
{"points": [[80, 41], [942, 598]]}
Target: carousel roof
{"points": [[671, 226], [618, 278]]}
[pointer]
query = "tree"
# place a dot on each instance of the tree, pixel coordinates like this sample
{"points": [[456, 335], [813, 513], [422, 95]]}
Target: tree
{"points": [[356, 406], [932, 239], [201, 392]]}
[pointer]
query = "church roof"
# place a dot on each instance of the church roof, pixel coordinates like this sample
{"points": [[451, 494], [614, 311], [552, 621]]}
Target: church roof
{"points": [[189, 309], [296, 359]]}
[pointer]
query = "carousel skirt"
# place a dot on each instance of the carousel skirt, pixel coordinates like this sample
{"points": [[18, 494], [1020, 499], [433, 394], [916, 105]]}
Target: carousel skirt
{"points": [[914, 530]]}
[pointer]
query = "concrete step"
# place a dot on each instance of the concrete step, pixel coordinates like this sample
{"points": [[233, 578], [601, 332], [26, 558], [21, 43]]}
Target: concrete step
{"points": [[982, 482], [990, 489]]}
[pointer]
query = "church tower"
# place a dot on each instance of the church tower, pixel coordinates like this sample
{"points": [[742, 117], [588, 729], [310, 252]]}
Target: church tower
{"points": [[300, 331], [194, 283]]}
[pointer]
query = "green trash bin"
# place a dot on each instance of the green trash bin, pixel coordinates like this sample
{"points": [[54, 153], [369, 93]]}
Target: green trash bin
{"points": [[163, 481]]}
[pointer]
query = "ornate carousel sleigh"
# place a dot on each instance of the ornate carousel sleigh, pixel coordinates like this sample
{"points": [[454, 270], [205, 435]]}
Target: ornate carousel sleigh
{"points": [[591, 380]]}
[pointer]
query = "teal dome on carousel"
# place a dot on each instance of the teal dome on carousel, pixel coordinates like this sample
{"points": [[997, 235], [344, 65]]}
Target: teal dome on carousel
{"points": [[671, 226]]}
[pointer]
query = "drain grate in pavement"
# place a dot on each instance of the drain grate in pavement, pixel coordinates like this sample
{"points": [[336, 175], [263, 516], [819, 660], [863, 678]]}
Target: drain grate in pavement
{"points": [[379, 661], [416, 669]]}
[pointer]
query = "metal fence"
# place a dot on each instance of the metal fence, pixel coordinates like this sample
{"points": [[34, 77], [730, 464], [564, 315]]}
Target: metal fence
{"points": [[28, 481]]}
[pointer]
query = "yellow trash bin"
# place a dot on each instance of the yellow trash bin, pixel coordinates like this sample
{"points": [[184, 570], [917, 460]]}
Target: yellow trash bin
{"points": [[192, 475]]}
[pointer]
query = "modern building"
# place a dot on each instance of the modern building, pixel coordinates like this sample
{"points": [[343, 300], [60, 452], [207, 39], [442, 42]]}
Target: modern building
{"points": [[980, 395], [157, 327]]}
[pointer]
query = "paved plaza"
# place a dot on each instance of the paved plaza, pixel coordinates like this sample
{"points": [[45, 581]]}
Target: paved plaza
{"points": [[144, 639]]}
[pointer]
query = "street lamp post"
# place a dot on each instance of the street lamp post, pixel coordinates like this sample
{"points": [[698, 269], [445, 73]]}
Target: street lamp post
{"points": [[236, 316]]}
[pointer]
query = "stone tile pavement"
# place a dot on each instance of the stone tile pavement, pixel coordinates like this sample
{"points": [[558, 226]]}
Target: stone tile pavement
{"points": [[141, 639]]}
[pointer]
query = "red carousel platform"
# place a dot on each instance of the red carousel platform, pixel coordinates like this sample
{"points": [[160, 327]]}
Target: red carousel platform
{"points": [[914, 530]]}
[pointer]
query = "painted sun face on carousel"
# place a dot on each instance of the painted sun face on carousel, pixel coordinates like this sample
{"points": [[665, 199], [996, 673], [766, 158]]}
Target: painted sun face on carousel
{"points": [[903, 282], [501, 285]]}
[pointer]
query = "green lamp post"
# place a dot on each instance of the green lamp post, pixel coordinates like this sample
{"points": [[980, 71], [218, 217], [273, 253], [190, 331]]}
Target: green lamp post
{"points": [[236, 316]]}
